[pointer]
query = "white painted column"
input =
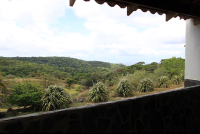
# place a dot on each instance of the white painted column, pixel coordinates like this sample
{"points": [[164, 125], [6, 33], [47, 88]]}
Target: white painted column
{"points": [[192, 54]]}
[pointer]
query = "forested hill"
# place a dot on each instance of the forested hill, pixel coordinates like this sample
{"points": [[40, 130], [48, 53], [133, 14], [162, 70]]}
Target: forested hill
{"points": [[59, 66], [68, 62]]}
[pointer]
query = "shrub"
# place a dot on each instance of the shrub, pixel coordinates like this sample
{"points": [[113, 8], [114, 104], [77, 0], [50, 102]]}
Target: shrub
{"points": [[110, 83], [47, 80], [26, 94], [3, 88], [163, 82], [83, 82], [124, 89], [182, 76], [176, 79], [70, 82], [78, 89], [161, 71], [145, 85], [98, 93], [137, 76], [55, 98]]}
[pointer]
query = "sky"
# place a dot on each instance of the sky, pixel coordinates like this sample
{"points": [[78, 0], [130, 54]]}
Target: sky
{"points": [[87, 31]]}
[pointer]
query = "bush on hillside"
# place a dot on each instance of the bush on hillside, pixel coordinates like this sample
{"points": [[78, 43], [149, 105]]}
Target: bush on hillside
{"points": [[98, 93], [176, 79], [79, 89], [124, 89], [47, 80], [55, 98], [182, 75], [3, 88], [69, 82], [26, 94], [162, 82], [145, 85], [161, 71], [110, 82], [137, 76]]}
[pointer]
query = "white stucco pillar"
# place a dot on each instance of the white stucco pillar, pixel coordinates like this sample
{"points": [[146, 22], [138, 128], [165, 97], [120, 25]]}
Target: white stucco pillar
{"points": [[192, 54]]}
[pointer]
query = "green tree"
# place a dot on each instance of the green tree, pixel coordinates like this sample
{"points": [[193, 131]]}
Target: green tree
{"points": [[140, 63], [26, 94], [174, 66], [70, 82]]}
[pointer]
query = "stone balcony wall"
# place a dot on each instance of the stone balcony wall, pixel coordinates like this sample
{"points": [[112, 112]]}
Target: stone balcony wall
{"points": [[172, 111]]}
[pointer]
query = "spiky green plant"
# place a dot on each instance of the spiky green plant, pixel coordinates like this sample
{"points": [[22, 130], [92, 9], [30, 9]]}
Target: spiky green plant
{"points": [[55, 98], [145, 85], [163, 82], [98, 93], [176, 79], [124, 89]]}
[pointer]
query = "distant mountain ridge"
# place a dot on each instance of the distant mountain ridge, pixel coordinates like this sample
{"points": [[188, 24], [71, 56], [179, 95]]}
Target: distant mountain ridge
{"points": [[29, 66], [68, 62]]}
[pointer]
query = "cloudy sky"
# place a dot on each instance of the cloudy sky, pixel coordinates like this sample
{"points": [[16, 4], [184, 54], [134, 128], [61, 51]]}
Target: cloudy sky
{"points": [[87, 31]]}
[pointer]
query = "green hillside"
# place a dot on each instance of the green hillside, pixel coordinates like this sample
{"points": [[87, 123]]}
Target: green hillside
{"points": [[59, 66], [68, 62]]}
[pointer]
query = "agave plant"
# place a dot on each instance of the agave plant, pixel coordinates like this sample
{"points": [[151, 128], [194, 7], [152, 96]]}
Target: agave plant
{"points": [[55, 98], [145, 85], [163, 81], [124, 89], [176, 79], [98, 93]]}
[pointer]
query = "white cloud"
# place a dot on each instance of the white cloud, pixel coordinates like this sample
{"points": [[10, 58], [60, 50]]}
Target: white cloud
{"points": [[25, 30], [38, 11], [112, 26]]}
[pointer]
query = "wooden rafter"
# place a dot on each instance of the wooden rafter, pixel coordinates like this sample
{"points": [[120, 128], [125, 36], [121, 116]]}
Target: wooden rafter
{"points": [[131, 8], [166, 5], [71, 2], [196, 21], [170, 15], [185, 9]]}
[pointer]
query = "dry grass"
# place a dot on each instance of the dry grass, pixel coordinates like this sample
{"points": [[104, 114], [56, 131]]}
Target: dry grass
{"points": [[36, 81], [21, 80]]}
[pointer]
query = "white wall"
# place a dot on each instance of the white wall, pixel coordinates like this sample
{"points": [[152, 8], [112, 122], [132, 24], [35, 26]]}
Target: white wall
{"points": [[192, 51]]}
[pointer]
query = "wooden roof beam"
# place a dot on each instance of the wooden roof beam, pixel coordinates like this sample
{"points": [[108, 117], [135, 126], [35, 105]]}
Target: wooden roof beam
{"points": [[131, 8], [166, 5], [71, 2], [196, 21], [170, 15]]}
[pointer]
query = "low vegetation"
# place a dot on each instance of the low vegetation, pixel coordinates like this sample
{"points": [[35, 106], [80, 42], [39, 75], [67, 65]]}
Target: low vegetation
{"points": [[98, 93], [25, 94], [163, 82], [55, 98], [176, 80], [46, 84], [145, 85], [124, 89]]}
